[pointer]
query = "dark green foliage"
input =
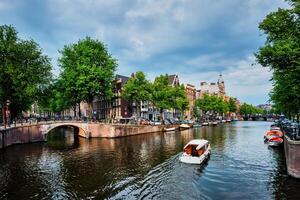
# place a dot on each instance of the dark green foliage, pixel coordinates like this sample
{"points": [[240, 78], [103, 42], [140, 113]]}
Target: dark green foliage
{"points": [[248, 109], [213, 104], [24, 71], [137, 89], [164, 96], [232, 105], [87, 71], [281, 53]]}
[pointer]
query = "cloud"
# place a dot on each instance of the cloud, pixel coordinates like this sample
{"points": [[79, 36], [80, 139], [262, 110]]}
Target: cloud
{"points": [[242, 79], [197, 39]]}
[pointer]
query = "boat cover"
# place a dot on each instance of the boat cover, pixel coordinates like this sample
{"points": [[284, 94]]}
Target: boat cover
{"points": [[200, 143]]}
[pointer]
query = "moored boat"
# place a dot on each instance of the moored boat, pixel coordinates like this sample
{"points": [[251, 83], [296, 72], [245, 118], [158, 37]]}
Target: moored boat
{"points": [[275, 141], [275, 128], [184, 126], [205, 124], [214, 123], [169, 129], [272, 134], [195, 152], [196, 125]]}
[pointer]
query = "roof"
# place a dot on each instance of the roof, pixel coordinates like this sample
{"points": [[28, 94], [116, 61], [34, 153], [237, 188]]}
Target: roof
{"points": [[198, 142], [123, 79], [173, 79]]}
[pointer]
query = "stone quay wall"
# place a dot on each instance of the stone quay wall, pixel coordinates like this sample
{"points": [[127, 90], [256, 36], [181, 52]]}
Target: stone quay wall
{"points": [[292, 156], [20, 135]]}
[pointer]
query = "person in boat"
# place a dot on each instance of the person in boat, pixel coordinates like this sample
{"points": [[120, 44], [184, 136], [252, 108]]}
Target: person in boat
{"points": [[194, 151]]}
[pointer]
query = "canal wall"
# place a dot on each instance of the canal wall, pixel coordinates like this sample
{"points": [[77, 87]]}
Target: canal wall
{"points": [[121, 130], [20, 135], [38, 132], [292, 155]]}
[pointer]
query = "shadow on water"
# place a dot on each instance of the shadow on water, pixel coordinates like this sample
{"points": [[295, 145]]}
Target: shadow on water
{"points": [[63, 138]]}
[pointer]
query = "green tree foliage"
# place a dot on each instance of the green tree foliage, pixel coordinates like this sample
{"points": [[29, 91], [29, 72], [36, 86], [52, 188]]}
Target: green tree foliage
{"points": [[281, 53], [180, 100], [24, 71], [248, 109], [213, 104], [137, 89], [232, 105], [87, 71], [53, 100], [162, 95]]}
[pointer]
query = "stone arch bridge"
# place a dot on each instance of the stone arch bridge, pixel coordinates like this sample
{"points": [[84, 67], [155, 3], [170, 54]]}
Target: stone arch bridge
{"points": [[83, 128], [37, 132]]}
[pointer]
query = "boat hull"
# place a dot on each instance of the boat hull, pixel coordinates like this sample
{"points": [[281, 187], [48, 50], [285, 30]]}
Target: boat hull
{"points": [[170, 129], [274, 144], [184, 127]]}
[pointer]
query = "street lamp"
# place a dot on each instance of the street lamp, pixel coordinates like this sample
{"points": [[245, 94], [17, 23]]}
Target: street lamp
{"points": [[7, 113]]}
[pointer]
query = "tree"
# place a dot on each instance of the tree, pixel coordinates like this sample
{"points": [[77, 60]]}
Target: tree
{"points": [[180, 100], [162, 94], [248, 109], [137, 89], [24, 71], [212, 103], [231, 105], [53, 99], [281, 53], [87, 71]]}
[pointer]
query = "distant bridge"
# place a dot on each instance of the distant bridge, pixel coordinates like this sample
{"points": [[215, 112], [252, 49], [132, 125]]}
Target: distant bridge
{"points": [[257, 117]]}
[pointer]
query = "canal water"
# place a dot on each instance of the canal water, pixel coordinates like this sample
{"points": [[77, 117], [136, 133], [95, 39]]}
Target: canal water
{"points": [[146, 167]]}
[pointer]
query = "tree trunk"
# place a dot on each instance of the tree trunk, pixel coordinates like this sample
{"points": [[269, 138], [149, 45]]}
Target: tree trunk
{"points": [[74, 110], [79, 111], [161, 116], [91, 109], [3, 116]]}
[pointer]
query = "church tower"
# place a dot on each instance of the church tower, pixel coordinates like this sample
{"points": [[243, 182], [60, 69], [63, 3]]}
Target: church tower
{"points": [[221, 86]]}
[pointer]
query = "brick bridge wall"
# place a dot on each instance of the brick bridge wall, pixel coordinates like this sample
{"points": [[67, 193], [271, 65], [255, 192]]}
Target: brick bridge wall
{"points": [[38, 132]]}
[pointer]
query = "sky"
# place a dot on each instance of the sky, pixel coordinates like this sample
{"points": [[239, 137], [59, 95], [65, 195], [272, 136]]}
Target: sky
{"points": [[196, 39]]}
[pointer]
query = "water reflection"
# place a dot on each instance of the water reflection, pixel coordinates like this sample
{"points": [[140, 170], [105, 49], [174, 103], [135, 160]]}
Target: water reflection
{"points": [[146, 166]]}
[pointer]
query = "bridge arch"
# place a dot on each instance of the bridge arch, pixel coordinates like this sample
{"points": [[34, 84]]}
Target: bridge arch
{"points": [[82, 128]]}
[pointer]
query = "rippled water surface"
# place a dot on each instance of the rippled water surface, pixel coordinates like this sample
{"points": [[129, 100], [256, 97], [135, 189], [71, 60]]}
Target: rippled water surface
{"points": [[146, 167]]}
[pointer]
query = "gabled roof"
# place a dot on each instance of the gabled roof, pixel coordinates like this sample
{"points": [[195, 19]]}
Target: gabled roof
{"points": [[172, 79], [121, 78]]}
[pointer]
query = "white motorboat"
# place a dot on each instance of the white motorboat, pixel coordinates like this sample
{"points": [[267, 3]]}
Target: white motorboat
{"points": [[214, 123], [169, 129], [205, 124], [195, 152], [223, 121]]}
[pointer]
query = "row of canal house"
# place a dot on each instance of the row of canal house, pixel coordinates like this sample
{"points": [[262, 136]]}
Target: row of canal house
{"points": [[118, 108]]}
